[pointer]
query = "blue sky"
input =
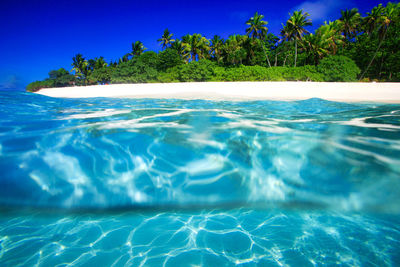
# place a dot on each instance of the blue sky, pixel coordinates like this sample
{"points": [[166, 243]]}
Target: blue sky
{"points": [[39, 36]]}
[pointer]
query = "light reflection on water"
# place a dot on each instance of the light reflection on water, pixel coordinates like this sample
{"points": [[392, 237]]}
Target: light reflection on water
{"points": [[272, 183]]}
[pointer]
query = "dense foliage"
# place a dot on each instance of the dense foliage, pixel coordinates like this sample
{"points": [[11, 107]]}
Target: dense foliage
{"points": [[259, 73], [57, 78], [350, 48], [168, 58], [140, 69], [37, 85], [338, 69]]}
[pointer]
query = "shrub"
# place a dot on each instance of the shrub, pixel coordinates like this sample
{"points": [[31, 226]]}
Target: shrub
{"points": [[170, 76], [259, 73], [303, 73], [274, 74], [37, 85], [168, 58], [232, 74], [241, 73], [365, 80], [220, 74], [149, 59], [61, 78], [102, 75], [338, 69], [196, 71], [135, 71]]}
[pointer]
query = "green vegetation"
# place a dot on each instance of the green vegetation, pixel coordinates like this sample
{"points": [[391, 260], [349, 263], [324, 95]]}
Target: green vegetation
{"points": [[350, 48], [259, 73], [338, 69], [57, 78], [37, 85], [140, 69], [294, 29]]}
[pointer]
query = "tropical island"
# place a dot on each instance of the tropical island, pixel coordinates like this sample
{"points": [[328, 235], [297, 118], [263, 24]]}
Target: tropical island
{"points": [[351, 48]]}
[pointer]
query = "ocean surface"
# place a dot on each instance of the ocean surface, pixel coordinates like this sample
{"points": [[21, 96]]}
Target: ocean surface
{"points": [[156, 182]]}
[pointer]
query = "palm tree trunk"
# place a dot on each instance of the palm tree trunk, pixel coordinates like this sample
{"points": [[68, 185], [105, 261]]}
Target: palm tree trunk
{"points": [[265, 53], [376, 52], [380, 68], [276, 58], [295, 52]]}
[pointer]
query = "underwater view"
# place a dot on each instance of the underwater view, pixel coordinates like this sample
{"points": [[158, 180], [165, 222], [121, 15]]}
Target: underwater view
{"points": [[167, 182]]}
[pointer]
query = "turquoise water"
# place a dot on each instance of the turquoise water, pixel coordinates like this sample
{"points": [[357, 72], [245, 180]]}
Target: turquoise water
{"points": [[127, 182]]}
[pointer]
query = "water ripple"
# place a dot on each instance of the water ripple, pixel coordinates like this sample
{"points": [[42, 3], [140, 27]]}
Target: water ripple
{"points": [[111, 153]]}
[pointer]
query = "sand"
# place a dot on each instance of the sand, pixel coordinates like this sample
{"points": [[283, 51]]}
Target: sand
{"points": [[347, 92]]}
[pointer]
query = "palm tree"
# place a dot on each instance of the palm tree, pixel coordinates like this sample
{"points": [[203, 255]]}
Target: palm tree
{"points": [[294, 28], [233, 49], [314, 47], [182, 49], [186, 43], [380, 20], [335, 32], [324, 42], [257, 29], [282, 53], [101, 63], [77, 64], [216, 47], [250, 45], [373, 19], [330, 35], [186, 39], [113, 63], [97, 63], [137, 49], [197, 45], [349, 22], [125, 58], [80, 67], [166, 39]]}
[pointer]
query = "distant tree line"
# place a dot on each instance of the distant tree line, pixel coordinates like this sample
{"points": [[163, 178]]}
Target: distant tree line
{"points": [[349, 48]]}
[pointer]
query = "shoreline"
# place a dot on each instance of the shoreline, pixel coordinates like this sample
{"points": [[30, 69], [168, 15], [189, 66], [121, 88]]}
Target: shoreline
{"points": [[238, 91]]}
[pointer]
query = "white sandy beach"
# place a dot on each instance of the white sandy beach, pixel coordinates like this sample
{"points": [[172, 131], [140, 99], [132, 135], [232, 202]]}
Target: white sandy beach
{"points": [[348, 92]]}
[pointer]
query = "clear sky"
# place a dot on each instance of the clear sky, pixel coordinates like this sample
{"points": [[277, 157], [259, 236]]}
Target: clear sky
{"points": [[39, 36]]}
